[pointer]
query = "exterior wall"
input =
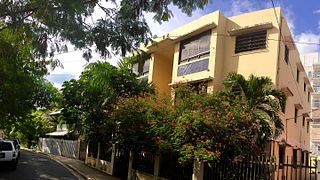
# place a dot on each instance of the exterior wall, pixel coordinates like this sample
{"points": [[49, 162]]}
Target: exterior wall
{"points": [[161, 73], [295, 134], [311, 62], [266, 62], [258, 62]]}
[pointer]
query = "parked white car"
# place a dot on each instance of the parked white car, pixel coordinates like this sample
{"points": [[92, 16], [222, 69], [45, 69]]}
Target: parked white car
{"points": [[8, 154], [16, 143]]}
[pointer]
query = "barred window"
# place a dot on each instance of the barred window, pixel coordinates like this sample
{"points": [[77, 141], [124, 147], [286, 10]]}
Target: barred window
{"points": [[286, 54], [251, 41], [195, 47]]}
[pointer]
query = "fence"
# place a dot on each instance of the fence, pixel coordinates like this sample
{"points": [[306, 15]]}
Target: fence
{"points": [[60, 147], [295, 171], [259, 168]]}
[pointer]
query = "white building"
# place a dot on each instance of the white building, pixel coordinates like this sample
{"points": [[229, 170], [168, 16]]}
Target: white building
{"points": [[311, 62]]}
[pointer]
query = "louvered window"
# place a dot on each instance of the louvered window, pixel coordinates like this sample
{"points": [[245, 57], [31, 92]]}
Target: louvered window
{"points": [[195, 48], [251, 41]]}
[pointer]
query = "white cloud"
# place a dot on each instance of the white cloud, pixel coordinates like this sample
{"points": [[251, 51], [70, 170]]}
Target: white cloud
{"points": [[307, 42], [179, 18], [240, 7], [316, 11], [290, 19]]}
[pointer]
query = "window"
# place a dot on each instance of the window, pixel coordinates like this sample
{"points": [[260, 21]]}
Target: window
{"points": [[282, 154], [309, 74], [303, 120], [193, 67], [283, 107], [316, 121], [195, 48], [294, 158], [308, 96], [316, 87], [199, 87], [141, 68], [318, 149], [316, 103], [295, 115], [316, 74], [251, 41], [5, 146], [308, 124], [307, 158], [304, 87], [298, 73], [286, 54]]}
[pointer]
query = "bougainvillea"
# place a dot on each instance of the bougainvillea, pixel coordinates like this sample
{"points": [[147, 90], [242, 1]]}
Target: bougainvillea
{"points": [[203, 126]]}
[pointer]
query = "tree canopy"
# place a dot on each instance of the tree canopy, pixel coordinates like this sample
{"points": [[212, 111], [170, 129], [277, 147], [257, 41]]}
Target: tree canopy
{"points": [[88, 102], [121, 27]]}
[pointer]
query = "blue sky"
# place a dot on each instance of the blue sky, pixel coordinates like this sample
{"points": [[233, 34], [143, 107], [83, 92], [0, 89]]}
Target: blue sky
{"points": [[303, 18]]}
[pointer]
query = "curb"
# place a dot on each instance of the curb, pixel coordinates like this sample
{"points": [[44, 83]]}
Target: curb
{"points": [[76, 170], [72, 169]]}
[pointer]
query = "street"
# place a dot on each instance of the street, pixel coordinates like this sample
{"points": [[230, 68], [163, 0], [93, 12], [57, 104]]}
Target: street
{"points": [[36, 166]]}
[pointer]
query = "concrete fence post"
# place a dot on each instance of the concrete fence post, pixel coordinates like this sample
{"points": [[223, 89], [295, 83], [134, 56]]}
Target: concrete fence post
{"points": [[156, 164], [197, 170], [87, 154], [113, 155], [130, 164], [78, 148], [98, 157]]}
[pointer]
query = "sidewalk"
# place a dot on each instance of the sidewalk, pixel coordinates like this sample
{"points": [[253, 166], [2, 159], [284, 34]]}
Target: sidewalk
{"points": [[82, 169]]}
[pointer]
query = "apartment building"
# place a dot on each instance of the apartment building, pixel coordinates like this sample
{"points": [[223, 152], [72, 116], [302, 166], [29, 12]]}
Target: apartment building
{"points": [[259, 43], [311, 62]]}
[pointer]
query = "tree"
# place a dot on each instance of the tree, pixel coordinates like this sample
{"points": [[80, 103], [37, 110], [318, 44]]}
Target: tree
{"points": [[88, 102], [263, 97], [210, 127], [35, 122], [18, 75], [121, 28]]}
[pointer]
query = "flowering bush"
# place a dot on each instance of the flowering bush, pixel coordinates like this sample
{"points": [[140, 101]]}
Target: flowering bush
{"points": [[197, 125]]}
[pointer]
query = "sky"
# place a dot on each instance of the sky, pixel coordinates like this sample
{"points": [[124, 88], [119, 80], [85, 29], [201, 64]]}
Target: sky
{"points": [[303, 17]]}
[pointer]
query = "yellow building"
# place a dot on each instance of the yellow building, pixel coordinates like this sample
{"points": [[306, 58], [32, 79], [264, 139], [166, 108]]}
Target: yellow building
{"points": [[259, 43]]}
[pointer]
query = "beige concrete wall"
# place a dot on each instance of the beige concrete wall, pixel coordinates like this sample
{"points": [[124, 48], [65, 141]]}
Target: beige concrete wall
{"points": [[161, 73], [266, 62], [258, 62], [296, 134]]}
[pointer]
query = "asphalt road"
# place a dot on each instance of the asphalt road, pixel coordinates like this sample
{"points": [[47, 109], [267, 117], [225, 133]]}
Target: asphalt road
{"points": [[36, 166]]}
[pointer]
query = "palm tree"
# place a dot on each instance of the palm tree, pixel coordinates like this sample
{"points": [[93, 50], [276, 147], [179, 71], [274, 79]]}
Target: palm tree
{"points": [[264, 99]]}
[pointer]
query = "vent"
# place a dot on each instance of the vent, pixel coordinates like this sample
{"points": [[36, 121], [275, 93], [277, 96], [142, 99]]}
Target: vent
{"points": [[251, 41]]}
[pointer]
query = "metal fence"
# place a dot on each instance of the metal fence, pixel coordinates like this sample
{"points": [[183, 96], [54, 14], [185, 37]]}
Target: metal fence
{"points": [[60, 147], [259, 168], [291, 170]]}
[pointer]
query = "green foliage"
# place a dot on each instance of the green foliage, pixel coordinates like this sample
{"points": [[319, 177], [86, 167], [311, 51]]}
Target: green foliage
{"points": [[88, 102], [127, 62], [122, 26], [30, 128], [210, 127], [262, 96]]}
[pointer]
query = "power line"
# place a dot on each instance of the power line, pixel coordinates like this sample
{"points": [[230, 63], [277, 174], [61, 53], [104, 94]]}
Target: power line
{"points": [[285, 41], [303, 113]]}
